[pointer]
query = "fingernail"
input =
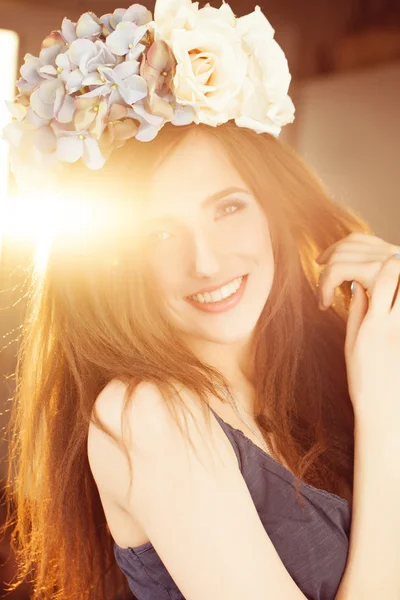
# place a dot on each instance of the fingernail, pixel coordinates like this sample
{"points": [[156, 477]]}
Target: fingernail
{"points": [[397, 255], [353, 287]]}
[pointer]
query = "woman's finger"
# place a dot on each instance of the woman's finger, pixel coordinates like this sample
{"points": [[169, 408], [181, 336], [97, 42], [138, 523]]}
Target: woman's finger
{"points": [[336, 273], [361, 242], [357, 311], [396, 301], [385, 287]]}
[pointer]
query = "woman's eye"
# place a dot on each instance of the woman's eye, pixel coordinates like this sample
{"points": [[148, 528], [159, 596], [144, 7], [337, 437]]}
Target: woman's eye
{"points": [[232, 207], [161, 235]]}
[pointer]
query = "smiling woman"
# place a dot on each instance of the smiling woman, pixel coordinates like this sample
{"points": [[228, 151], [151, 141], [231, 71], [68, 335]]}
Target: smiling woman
{"points": [[113, 306], [186, 310]]}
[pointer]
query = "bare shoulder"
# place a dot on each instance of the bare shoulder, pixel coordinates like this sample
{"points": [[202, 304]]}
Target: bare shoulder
{"points": [[150, 422], [192, 503], [152, 431]]}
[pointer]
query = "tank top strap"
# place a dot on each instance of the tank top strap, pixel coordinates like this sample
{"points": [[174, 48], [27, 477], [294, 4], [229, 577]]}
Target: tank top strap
{"points": [[230, 433]]}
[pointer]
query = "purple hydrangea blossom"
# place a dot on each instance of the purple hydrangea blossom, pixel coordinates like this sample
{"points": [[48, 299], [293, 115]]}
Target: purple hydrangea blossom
{"points": [[121, 124], [37, 68], [158, 68], [79, 66], [50, 101], [73, 145], [121, 84], [125, 40], [150, 124], [90, 114], [95, 84], [136, 13]]}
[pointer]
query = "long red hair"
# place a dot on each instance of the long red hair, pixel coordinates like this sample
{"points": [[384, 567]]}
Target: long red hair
{"points": [[92, 319]]}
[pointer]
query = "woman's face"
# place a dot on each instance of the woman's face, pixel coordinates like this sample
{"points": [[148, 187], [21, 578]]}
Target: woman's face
{"points": [[204, 230]]}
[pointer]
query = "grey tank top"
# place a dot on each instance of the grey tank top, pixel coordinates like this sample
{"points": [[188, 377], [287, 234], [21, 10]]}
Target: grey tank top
{"points": [[312, 541]]}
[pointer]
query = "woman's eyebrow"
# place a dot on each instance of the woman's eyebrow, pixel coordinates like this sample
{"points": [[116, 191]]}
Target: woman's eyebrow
{"points": [[221, 194], [204, 204]]}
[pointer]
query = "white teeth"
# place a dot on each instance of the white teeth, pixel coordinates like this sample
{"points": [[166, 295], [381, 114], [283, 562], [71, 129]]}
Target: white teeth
{"points": [[224, 292]]}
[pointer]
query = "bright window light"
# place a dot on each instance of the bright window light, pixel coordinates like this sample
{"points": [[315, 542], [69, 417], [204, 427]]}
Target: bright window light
{"points": [[9, 43]]}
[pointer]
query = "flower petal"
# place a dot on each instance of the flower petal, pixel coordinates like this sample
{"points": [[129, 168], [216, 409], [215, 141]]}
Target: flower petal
{"points": [[160, 107], [48, 70], [68, 30], [29, 70], [92, 156], [98, 125], [136, 52], [59, 100], [154, 120], [18, 111], [69, 149], [67, 110], [92, 79], [125, 130], [48, 55], [88, 26], [140, 32], [53, 39], [103, 90], [183, 115], [83, 119], [117, 112], [133, 90], [42, 99], [105, 21], [13, 133], [147, 132], [73, 81], [106, 57], [125, 70], [35, 120], [85, 104], [159, 55], [78, 50], [62, 60], [45, 140], [117, 17], [138, 14], [118, 41], [25, 87]]}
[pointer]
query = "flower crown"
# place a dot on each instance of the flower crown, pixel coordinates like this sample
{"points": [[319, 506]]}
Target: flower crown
{"points": [[102, 81]]}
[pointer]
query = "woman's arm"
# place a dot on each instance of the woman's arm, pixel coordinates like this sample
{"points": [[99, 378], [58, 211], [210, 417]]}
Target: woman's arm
{"points": [[372, 352], [373, 566]]}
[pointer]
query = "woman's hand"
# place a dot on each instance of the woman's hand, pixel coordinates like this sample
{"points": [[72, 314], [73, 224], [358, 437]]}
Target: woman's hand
{"points": [[372, 351], [359, 256]]}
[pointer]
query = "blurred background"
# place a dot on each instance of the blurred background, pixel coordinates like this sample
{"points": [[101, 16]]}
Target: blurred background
{"points": [[344, 56]]}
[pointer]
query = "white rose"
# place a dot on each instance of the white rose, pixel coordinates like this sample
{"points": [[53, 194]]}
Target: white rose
{"points": [[174, 14], [265, 106], [211, 63]]}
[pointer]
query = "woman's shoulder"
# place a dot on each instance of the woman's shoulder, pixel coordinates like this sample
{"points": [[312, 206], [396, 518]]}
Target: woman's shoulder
{"points": [[152, 430], [147, 408], [107, 460]]}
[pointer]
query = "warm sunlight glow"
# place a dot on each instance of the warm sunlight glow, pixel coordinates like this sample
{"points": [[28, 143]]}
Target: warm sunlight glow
{"points": [[40, 217]]}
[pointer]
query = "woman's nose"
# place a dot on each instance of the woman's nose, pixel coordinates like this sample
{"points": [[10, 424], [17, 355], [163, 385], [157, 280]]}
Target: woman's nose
{"points": [[205, 260]]}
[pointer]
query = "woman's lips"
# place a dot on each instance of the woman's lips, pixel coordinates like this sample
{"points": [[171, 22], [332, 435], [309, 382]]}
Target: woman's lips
{"points": [[221, 305]]}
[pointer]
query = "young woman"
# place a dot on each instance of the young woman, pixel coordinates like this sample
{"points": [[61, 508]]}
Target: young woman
{"points": [[200, 412]]}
